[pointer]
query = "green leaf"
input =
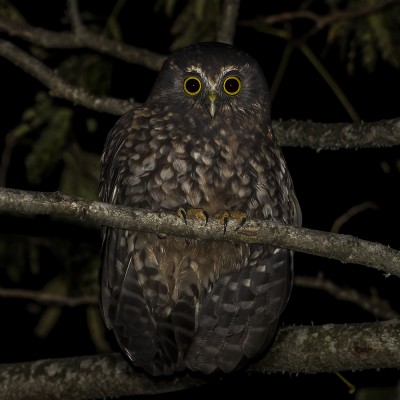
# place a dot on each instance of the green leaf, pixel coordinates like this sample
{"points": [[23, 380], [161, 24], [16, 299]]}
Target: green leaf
{"points": [[197, 22], [48, 149], [81, 173]]}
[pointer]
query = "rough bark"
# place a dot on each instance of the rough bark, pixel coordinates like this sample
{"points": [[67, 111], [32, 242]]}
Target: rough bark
{"points": [[307, 349], [345, 248]]}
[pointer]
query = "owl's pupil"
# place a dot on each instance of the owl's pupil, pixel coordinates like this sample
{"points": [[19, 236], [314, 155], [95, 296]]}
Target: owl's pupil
{"points": [[231, 85], [192, 85]]}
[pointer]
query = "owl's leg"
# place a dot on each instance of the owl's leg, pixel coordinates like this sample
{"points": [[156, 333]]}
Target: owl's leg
{"points": [[224, 216]]}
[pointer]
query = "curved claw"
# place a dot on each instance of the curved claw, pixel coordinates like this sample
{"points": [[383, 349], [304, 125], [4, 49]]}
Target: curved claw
{"points": [[182, 214], [193, 213], [224, 216]]}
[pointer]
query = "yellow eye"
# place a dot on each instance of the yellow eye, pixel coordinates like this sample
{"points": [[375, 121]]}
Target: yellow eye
{"points": [[232, 85], [192, 85]]}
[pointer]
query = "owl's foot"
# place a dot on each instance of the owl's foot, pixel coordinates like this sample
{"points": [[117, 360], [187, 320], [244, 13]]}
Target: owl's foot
{"points": [[224, 216], [192, 213]]}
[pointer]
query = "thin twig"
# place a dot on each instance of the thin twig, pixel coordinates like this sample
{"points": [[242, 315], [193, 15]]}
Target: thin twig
{"points": [[340, 221], [330, 81], [9, 143], [48, 298], [321, 21], [345, 248], [378, 307]]}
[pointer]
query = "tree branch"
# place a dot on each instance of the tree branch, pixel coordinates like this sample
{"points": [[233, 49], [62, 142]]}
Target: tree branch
{"points": [[58, 87], [321, 21], [48, 298], [345, 248], [230, 12], [378, 307], [345, 217], [82, 38], [333, 136], [330, 348], [74, 16], [307, 349], [315, 135]]}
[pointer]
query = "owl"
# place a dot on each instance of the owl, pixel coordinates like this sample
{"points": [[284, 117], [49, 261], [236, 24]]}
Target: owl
{"points": [[202, 143]]}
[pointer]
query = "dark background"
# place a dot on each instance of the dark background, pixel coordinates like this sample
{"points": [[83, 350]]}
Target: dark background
{"points": [[327, 183]]}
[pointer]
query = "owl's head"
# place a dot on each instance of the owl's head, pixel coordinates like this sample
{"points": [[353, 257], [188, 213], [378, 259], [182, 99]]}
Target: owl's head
{"points": [[215, 79]]}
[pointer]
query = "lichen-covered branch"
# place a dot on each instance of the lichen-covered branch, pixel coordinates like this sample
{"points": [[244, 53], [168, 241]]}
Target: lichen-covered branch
{"points": [[306, 349], [319, 136], [345, 248], [328, 348], [92, 377], [333, 136]]}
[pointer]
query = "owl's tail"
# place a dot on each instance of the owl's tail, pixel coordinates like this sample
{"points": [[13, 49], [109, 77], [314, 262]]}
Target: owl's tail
{"points": [[239, 318]]}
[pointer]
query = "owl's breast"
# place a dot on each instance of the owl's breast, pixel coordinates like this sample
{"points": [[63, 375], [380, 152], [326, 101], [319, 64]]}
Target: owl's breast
{"points": [[213, 171], [210, 166]]}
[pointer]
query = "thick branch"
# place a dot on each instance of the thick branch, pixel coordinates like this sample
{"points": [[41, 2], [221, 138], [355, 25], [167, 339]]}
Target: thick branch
{"points": [[332, 136], [308, 349], [328, 348], [345, 248], [315, 135], [58, 87], [82, 38]]}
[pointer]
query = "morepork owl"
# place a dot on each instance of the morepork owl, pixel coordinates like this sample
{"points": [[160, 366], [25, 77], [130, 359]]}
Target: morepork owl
{"points": [[202, 140]]}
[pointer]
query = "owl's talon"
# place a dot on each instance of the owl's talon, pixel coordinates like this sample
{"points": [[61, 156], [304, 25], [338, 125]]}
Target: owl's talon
{"points": [[182, 214], [224, 216], [193, 213]]}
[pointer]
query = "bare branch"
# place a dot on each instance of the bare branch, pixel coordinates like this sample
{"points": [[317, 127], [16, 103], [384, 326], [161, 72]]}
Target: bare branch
{"points": [[5, 157], [345, 248], [332, 136], [374, 304], [315, 135], [308, 349], [48, 298], [340, 221], [74, 17], [321, 21], [83, 39], [229, 16], [58, 87], [329, 348]]}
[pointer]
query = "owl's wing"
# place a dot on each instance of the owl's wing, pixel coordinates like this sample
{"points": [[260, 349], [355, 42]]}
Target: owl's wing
{"points": [[239, 318], [135, 301], [151, 329]]}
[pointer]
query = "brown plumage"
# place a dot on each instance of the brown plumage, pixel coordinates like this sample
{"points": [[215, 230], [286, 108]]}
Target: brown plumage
{"points": [[203, 139]]}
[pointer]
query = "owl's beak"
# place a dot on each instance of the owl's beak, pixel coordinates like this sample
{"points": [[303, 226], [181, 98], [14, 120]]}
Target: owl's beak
{"points": [[213, 97]]}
